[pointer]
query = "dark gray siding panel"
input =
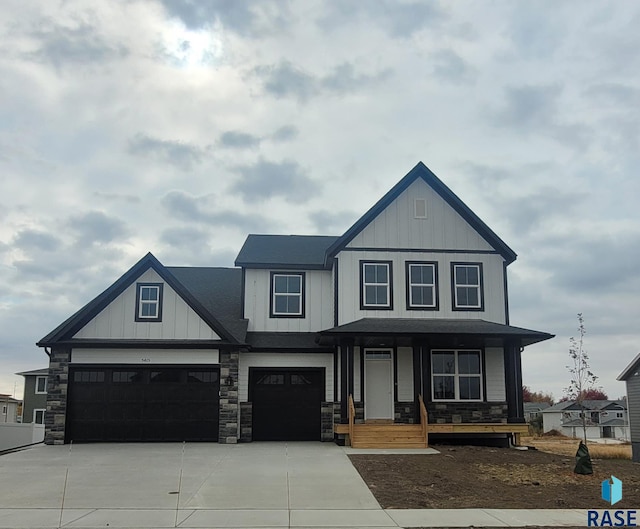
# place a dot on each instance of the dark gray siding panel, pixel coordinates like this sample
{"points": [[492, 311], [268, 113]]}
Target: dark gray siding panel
{"points": [[633, 402], [31, 400]]}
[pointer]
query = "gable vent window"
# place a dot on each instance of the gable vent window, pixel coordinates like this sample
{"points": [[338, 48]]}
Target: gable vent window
{"points": [[149, 302], [420, 208]]}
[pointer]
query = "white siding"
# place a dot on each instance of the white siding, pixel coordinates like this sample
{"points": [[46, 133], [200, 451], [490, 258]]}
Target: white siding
{"points": [[551, 421], [405, 374], [144, 356], [349, 285], [117, 320], [318, 302], [289, 360], [396, 227], [494, 366]]}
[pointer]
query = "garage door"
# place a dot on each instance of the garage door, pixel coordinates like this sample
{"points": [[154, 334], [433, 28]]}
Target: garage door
{"points": [[143, 404], [286, 403]]}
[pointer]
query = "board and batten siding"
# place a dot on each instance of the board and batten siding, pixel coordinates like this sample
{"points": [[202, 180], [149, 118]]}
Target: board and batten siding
{"points": [[284, 360], [318, 294], [633, 407], [117, 320], [145, 356], [349, 285], [397, 227], [494, 374]]}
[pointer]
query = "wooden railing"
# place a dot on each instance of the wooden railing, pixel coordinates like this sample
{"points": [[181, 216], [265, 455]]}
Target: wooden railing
{"points": [[424, 420], [352, 418]]}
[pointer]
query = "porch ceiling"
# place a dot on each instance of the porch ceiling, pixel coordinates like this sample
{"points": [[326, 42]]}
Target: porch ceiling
{"points": [[445, 332]]}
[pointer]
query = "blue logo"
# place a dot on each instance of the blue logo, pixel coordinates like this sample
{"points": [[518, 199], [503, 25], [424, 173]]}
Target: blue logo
{"points": [[612, 490]]}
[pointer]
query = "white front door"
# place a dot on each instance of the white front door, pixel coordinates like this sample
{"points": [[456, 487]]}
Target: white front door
{"points": [[378, 385]]}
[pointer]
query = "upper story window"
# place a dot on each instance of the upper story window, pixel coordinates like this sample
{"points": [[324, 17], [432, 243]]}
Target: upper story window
{"points": [[149, 302], [376, 291], [287, 295], [41, 385], [467, 286], [422, 285], [456, 375]]}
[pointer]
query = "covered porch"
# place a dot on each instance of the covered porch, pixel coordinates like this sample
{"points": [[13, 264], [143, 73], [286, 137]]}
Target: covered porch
{"points": [[403, 381]]}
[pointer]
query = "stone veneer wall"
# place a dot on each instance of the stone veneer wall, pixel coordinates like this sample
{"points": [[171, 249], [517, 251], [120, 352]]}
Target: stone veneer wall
{"points": [[57, 385], [404, 413], [228, 430], [468, 412], [326, 421], [246, 422]]}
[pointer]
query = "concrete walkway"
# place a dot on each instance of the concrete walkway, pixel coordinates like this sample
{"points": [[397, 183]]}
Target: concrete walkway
{"points": [[210, 485]]}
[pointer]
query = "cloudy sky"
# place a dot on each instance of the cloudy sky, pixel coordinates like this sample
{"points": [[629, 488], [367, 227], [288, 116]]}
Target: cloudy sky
{"points": [[179, 127]]}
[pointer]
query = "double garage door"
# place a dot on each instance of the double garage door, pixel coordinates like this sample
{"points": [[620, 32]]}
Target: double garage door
{"points": [[177, 403]]}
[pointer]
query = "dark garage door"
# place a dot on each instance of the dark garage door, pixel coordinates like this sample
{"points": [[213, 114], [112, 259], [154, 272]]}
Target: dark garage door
{"points": [[286, 403], [143, 404]]}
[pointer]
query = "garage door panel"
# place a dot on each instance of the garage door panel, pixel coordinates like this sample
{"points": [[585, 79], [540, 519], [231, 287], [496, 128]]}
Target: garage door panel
{"points": [[146, 404]]}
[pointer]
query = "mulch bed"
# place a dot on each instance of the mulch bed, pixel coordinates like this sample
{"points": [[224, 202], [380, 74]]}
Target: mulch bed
{"points": [[466, 477]]}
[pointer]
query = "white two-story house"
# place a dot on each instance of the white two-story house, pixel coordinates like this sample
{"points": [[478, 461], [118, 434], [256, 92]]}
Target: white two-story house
{"points": [[400, 321]]}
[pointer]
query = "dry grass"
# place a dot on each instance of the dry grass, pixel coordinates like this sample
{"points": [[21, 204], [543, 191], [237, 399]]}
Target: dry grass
{"points": [[567, 446]]}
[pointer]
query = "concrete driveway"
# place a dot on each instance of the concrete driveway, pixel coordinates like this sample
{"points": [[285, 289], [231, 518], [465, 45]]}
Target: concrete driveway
{"points": [[191, 485]]}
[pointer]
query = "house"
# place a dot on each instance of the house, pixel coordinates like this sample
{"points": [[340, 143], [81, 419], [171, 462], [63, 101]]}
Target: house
{"points": [[8, 409], [395, 330], [35, 395], [533, 410], [631, 375], [606, 419]]}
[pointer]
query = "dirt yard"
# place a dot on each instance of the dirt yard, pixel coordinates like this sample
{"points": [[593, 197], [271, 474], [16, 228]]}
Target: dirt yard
{"points": [[481, 477]]}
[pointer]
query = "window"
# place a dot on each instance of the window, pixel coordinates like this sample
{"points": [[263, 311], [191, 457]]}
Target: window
{"points": [[422, 285], [287, 295], [126, 376], [420, 208], [4, 410], [88, 376], [619, 415], [38, 416], [456, 375], [467, 286], [375, 285], [41, 384], [149, 301]]}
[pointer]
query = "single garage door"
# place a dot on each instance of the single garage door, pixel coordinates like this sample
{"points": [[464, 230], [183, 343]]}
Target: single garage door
{"points": [[143, 404], [286, 403]]}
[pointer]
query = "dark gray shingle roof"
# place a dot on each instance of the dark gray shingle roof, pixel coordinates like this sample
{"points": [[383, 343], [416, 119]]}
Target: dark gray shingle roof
{"points": [[295, 341], [290, 251], [41, 372]]}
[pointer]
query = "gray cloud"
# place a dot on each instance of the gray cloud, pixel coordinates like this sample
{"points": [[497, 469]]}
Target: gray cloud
{"points": [[287, 80], [96, 227], [264, 180], [333, 222], [203, 209], [123, 197], [238, 140], [449, 66], [285, 133], [534, 33], [36, 240], [179, 154], [62, 46], [185, 237], [397, 19]]}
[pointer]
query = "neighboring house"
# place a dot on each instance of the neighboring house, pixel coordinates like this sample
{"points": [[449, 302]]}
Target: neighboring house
{"points": [[606, 419], [8, 408], [532, 410], [411, 301], [631, 375], [35, 395]]}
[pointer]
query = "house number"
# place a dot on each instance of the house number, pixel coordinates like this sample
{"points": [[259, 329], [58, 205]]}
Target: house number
{"points": [[146, 359]]}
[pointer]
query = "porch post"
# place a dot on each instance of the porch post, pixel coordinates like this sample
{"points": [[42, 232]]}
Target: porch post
{"points": [[425, 353], [417, 380], [513, 382], [346, 378]]}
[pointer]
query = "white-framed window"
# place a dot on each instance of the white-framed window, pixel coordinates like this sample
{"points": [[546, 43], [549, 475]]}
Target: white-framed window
{"points": [[287, 294], [467, 286], [619, 415], [4, 409], [456, 375], [422, 285], [376, 290], [149, 302], [420, 208], [38, 416], [41, 385]]}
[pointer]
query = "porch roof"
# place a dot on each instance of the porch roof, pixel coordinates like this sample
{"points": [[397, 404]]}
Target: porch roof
{"points": [[486, 331]]}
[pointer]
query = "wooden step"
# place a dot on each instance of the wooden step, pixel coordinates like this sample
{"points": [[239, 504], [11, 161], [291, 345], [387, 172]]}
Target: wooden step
{"points": [[388, 436]]}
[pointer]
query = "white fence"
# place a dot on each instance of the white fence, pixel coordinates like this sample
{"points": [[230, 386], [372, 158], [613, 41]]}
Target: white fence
{"points": [[15, 435]]}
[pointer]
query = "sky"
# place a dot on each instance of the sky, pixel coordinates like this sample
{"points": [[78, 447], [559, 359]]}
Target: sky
{"points": [[178, 127]]}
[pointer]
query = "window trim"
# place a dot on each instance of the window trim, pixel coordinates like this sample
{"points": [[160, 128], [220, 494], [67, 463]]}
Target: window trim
{"points": [[389, 305], [454, 302], [35, 411], [39, 377], [139, 317], [415, 208], [456, 375], [436, 297], [272, 295]]}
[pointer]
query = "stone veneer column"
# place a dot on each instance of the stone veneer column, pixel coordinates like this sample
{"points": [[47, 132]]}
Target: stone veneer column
{"points": [[58, 382], [228, 429]]}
